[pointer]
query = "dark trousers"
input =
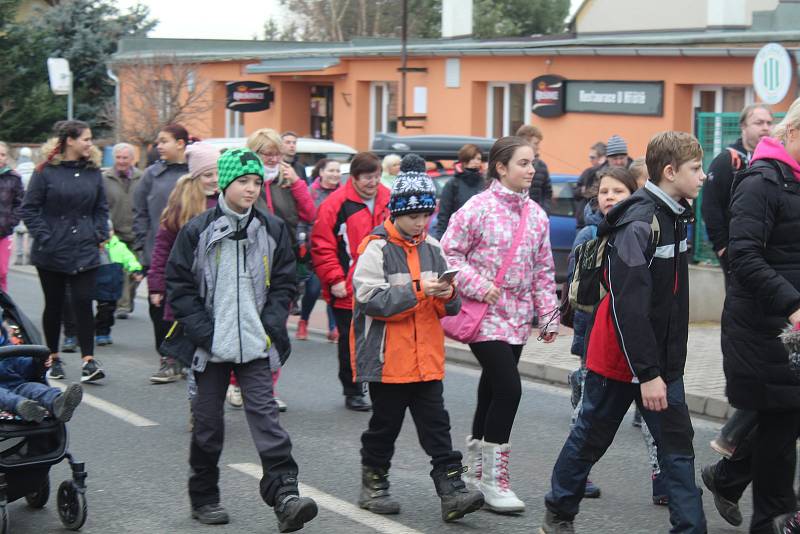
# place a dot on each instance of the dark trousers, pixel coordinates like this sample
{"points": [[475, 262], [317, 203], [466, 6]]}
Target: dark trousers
{"points": [[104, 318], [343, 320], [54, 286], [732, 476], [499, 390], [389, 404], [605, 403], [271, 440], [774, 467], [160, 326]]}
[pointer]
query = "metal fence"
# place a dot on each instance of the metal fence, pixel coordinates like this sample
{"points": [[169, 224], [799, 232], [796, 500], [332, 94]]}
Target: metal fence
{"points": [[715, 131]]}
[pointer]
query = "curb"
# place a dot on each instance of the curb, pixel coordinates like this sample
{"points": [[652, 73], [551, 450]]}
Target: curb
{"points": [[555, 375]]}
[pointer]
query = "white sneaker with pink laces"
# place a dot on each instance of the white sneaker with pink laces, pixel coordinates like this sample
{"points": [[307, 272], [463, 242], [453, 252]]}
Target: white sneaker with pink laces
{"points": [[496, 481]]}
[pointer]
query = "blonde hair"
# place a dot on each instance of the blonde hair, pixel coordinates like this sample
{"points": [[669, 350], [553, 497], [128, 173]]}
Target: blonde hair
{"points": [[3, 144], [638, 167], [792, 119], [187, 200], [264, 137], [390, 160]]}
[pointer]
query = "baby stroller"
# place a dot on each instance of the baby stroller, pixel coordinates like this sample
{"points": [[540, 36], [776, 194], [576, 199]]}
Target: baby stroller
{"points": [[28, 450]]}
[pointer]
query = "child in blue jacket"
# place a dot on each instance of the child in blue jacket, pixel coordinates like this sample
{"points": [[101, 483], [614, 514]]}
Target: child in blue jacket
{"points": [[23, 392]]}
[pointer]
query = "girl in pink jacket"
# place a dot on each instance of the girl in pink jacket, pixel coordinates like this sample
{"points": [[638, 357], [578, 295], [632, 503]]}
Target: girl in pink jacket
{"points": [[476, 242]]}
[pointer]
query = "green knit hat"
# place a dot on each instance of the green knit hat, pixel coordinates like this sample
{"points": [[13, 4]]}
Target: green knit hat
{"points": [[235, 163]]}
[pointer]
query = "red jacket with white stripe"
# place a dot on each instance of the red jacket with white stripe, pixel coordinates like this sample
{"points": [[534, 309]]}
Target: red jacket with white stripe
{"points": [[343, 221], [641, 326]]}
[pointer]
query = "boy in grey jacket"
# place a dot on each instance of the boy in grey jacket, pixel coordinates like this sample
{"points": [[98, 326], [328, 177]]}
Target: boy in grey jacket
{"points": [[230, 279]]}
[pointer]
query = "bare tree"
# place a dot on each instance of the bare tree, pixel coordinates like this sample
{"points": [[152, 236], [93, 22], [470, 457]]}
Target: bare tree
{"points": [[155, 92]]}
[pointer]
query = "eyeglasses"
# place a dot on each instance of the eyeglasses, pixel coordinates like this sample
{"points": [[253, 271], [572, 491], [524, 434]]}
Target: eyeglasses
{"points": [[270, 155]]}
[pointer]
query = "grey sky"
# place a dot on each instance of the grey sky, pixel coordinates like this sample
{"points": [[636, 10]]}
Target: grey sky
{"points": [[212, 19]]}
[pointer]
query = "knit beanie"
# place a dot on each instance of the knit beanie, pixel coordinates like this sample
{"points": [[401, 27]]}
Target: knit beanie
{"points": [[237, 162], [413, 190], [616, 146], [201, 157]]}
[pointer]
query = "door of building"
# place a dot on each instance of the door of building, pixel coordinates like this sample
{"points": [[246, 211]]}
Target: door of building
{"points": [[322, 111]]}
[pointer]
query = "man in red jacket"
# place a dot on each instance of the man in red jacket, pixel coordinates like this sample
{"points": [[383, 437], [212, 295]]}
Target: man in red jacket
{"points": [[346, 217]]}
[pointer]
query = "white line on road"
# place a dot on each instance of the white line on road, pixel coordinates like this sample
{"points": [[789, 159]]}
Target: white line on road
{"points": [[337, 506], [109, 407]]}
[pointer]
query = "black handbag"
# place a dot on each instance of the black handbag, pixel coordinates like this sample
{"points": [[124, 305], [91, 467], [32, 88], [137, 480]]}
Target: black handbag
{"points": [[177, 345]]}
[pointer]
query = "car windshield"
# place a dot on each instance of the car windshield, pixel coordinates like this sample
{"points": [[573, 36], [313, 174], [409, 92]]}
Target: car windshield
{"points": [[563, 200]]}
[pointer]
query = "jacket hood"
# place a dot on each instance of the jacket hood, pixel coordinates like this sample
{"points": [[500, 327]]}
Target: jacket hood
{"points": [[769, 148], [591, 213], [471, 177], [641, 206], [94, 161]]}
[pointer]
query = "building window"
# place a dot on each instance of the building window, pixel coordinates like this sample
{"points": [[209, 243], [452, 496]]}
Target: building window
{"points": [[234, 123], [383, 108], [718, 124], [507, 108]]}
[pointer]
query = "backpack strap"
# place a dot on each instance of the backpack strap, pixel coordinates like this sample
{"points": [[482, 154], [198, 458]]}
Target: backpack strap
{"points": [[736, 159]]}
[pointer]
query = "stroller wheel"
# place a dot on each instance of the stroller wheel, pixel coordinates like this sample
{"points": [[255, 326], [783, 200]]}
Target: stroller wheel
{"points": [[71, 505], [39, 498]]}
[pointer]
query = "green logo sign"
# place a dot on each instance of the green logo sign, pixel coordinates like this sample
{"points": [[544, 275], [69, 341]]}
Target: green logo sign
{"points": [[772, 73]]}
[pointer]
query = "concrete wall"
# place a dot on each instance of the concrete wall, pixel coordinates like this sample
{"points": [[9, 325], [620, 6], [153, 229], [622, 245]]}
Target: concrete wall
{"points": [[706, 294]]}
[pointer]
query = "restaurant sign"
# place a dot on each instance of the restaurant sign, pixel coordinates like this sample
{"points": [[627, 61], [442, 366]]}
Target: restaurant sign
{"points": [[615, 97], [548, 96]]}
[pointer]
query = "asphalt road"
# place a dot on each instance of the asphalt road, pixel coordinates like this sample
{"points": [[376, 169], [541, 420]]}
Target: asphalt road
{"points": [[135, 445]]}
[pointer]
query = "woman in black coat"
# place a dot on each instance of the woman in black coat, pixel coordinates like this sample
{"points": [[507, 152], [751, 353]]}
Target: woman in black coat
{"points": [[467, 182], [65, 211], [764, 297]]}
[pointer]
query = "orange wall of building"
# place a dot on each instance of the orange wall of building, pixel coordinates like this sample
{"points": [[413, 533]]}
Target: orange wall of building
{"points": [[462, 111]]}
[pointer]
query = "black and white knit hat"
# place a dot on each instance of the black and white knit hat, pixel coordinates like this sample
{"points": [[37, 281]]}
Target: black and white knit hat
{"points": [[413, 190], [616, 146]]}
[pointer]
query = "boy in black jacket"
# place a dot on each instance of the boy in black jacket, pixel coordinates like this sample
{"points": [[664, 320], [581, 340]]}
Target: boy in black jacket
{"points": [[634, 360], [230, 279]]}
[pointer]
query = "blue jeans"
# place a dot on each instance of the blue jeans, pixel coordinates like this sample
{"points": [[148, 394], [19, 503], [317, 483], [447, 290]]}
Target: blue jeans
{"points": [[605, 403], [41, 393], [311, 294]]}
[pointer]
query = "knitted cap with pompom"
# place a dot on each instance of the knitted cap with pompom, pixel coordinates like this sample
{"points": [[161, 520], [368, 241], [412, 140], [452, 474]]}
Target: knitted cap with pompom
{"points": [[413, 190]]}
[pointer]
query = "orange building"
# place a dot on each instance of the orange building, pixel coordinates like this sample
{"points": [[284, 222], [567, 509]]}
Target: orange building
{"points": [[350, 91]]}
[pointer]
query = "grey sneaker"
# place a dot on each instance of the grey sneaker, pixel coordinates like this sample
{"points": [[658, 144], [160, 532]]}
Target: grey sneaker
{"points": [[168, 372], [554, 525], [30, 410], [211, 514], [64, 405], [56, 371], [91, 371]]}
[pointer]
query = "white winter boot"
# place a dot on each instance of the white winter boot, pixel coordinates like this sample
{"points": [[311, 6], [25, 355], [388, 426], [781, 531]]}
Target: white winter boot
{"points": [[496, 480], [473, 461]]}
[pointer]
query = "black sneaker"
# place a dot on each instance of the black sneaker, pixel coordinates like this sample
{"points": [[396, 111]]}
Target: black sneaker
{"points": [[294, 511], [211, 514], [65, 403], [555, 525], [56, 370], [729, 510], [30, 410], [91, 371]]}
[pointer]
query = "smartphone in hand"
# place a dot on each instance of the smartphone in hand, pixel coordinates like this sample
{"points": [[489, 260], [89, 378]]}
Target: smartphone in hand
{"points": [[448, 276]]}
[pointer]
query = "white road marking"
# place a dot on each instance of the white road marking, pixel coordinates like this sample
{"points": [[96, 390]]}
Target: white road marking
{"points": [[336, 505], [109, 407]]}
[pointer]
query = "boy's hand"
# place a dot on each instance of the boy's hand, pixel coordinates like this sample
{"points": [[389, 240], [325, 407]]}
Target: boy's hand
{"points": [[795, 318], [435, 288], [289, 176], [339, 290], [654, 394], [156, 299], [493, 295]]}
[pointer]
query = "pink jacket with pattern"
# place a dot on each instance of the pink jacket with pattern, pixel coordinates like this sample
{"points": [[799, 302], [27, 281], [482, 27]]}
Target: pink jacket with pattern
{"points": [[476, 242]]}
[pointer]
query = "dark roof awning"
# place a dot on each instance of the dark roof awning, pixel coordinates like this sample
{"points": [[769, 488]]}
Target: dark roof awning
{"points": [[269, 66]]}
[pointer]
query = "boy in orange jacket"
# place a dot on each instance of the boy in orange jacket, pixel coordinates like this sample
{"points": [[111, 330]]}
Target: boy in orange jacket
{"points": [[397, 345]]}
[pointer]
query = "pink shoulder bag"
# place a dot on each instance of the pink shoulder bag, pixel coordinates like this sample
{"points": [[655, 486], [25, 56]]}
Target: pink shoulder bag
{"points": [[466, 325]]}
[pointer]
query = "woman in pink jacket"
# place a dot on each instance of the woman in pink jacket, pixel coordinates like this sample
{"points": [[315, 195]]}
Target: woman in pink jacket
{"points": [[476, 242]]}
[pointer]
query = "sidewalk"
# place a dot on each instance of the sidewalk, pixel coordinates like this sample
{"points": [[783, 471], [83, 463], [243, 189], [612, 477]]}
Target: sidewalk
{"points": [[704, 379]]}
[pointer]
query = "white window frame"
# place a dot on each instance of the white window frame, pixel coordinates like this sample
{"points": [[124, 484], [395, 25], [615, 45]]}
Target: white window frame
{"points": [[384, 111], [506, 86], [749, 98], [234, 123]]}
